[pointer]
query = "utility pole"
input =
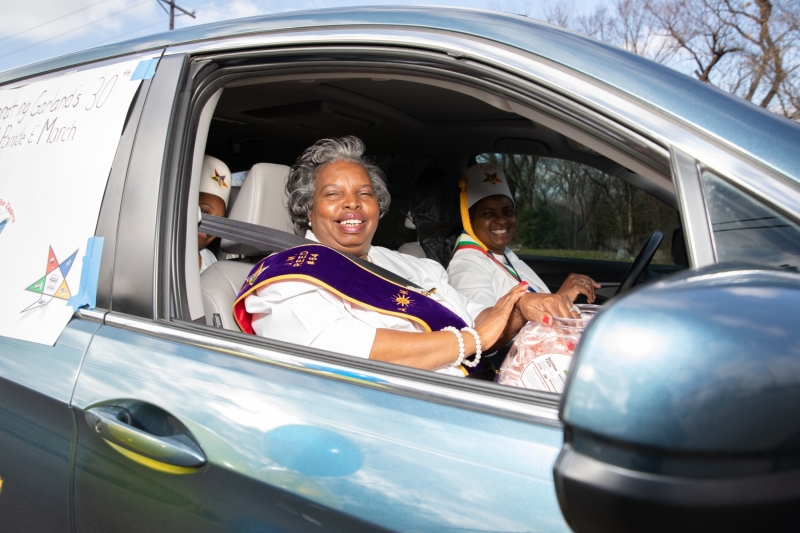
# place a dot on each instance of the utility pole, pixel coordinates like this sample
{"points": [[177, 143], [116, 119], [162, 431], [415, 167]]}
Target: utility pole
{"points": [[172, 8]]}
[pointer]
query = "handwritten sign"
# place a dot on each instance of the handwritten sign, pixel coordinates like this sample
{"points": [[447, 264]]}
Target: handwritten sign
{"points": [[58, 138]]}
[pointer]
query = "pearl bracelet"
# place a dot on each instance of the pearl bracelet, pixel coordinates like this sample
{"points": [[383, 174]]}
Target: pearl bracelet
{"points": [[478, 352], [460, 344]]}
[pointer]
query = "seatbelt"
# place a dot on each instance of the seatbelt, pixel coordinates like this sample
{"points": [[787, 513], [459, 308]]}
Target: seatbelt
{"points": [[275, 240]]}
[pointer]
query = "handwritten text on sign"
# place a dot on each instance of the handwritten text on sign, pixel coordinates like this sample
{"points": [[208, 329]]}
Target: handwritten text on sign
{"points": [[53, 116]]}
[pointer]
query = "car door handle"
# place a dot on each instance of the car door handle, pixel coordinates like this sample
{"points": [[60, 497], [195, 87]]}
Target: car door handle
{"points": [[174, 454]]}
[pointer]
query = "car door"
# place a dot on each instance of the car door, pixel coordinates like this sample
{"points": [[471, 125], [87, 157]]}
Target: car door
{"points": [[37, 427], [186, 427]]}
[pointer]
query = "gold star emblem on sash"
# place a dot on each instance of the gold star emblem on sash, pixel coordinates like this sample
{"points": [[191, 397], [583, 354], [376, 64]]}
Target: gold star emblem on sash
{"points": [[492, 178], [402, 300]]}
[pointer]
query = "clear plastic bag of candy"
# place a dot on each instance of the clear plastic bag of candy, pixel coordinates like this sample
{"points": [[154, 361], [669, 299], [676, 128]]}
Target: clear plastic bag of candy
{"points": [[541, 355]]}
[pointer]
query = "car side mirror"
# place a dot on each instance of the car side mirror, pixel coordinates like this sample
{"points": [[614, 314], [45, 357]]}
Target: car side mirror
{"points": [[682, 409]]}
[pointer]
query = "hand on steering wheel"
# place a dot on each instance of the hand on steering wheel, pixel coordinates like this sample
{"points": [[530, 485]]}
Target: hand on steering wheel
{"points": [[579, 284]]}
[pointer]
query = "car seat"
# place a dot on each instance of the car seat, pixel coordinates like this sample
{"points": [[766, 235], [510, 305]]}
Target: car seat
{"points": [[412, 248], [435, 215], [260, 201]]}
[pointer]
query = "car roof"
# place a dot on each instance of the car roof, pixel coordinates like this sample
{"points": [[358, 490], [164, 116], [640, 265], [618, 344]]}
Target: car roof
{"points": [[763, 135]]}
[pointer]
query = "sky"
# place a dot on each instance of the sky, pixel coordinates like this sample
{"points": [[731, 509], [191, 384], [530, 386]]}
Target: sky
{"points": [[33, 30]]}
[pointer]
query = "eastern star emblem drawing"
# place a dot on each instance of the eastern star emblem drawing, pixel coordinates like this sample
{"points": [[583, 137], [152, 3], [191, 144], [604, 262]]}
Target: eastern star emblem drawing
{"points": [[219, 179], [492, 178], [54, 283]]}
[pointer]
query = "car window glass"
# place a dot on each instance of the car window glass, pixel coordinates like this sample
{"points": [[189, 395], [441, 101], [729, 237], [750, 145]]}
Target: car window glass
{"points": [[745, 230], [569, 209]]}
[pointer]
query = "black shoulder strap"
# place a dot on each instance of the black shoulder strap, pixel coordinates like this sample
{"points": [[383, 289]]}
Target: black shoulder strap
{"points": [[275, 240]]}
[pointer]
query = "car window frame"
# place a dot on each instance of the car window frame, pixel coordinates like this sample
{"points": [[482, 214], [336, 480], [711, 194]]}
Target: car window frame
{"points": [[571, 115]]}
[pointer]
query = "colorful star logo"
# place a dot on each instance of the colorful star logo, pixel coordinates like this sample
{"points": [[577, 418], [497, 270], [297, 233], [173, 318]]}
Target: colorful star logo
{"points": [[54, 283], [252, 279], [219, 179], [492, 178]]}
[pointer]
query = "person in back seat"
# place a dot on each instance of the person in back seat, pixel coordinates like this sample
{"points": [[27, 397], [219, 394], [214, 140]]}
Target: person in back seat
{"points": [[215, 189], [318, 295]]}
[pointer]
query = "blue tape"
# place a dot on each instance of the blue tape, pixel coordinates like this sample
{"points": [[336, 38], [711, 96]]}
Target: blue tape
{"points": [[139, 71], [151, 69], [145, 69], [90, 274]]}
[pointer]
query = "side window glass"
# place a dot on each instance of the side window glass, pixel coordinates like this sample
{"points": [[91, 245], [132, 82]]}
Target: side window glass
{"points": [[747, 231], [572, 210]]}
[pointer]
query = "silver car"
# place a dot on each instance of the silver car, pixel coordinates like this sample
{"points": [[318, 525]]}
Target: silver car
{"points": [[153, 412]]}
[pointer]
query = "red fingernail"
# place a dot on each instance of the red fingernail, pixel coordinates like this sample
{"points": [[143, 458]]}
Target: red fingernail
{"points": [[546, 321]]}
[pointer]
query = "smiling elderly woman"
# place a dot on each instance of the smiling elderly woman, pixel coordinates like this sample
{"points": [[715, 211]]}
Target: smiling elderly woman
{"points": [[320, 295]]}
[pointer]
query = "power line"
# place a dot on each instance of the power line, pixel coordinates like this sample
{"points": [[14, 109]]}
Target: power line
{"points": [[172, 8], [75, 29], [53, 20], [116, 37]]}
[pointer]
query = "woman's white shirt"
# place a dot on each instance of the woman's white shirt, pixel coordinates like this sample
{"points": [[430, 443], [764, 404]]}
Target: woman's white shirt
{"points": [[302, 313], [207, 258], [482, 280]]}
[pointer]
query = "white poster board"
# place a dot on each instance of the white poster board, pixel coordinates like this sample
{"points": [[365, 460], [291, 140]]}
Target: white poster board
{"points": [[58, 138]]}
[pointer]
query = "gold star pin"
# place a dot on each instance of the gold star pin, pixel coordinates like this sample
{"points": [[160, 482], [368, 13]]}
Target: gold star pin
{"points": [[492, 178]]}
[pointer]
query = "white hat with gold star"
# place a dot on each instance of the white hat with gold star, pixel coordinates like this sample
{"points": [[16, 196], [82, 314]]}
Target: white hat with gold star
{"points": [[216, 178], [485, 179], [478, 182]]}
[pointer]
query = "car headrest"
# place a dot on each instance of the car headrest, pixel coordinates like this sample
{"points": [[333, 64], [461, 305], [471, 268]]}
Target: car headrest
{"points": [[260, 201], [232, 199]]}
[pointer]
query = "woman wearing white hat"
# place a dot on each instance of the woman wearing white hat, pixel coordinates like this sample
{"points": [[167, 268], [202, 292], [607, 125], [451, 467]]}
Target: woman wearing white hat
{"points": [[215, 189], [483, 268]]}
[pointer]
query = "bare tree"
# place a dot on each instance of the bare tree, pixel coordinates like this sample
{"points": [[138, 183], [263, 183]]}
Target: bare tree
{"points": [[750, 48], [746, 47]]}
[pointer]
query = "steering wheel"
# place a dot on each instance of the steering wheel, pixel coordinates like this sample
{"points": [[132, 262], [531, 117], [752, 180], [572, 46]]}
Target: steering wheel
{"points": [[641, 262]]}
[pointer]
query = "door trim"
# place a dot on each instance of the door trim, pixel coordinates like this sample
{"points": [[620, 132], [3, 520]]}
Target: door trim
{"points": [[521, 404]]}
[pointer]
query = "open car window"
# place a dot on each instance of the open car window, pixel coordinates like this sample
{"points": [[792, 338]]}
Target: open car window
{"points": [[570, 209], [417, 128]]}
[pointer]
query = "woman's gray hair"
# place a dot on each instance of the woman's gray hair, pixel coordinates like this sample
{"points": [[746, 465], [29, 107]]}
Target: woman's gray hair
{"points": [[302, 180]]}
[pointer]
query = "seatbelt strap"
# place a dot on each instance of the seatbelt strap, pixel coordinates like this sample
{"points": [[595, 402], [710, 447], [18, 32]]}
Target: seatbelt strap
{"points": [[275, 240], [254, 235]]}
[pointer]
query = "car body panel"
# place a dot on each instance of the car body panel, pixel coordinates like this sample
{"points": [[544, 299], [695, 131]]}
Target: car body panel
{"points": [[338, 451], [36, 429]]}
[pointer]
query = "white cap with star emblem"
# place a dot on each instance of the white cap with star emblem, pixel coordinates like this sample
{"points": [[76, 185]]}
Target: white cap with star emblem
{"points": [[485, 179], [216, 178]]}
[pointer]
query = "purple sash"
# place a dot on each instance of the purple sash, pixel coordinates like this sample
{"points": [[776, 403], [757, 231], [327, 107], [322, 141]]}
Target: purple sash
{"points": [[327, 268]]}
